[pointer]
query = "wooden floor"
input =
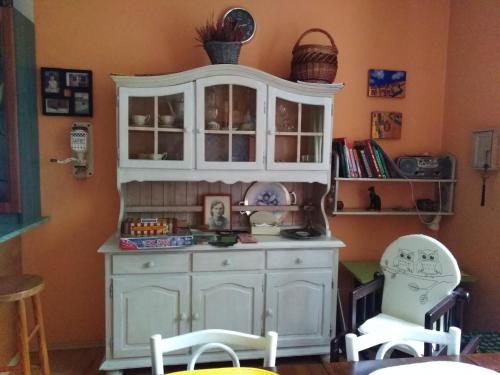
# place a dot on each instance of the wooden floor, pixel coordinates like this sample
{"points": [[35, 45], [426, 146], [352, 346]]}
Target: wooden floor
{"points": [[87, 362]]}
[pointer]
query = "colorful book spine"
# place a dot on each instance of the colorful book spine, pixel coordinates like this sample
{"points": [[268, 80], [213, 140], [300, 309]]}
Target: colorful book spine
{"points": [[355, 173], [358, 164], [380, 162], [347, 158], [366, 163], [372, 159]]}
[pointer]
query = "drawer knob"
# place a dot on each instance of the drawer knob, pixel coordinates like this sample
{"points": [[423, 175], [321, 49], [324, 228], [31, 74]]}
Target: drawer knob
{"points": [[196, 316], [227, 262], [150, 264], [299, 261], [184, 316], [269, 312]]}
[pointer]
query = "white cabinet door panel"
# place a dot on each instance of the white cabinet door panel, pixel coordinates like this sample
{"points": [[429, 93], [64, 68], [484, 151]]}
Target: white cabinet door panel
{"points": [[145, 305], [298, 307], [233, 302]]}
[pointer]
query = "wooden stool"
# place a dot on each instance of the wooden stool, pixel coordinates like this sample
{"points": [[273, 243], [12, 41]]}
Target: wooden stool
{"points": [[18, 289]]}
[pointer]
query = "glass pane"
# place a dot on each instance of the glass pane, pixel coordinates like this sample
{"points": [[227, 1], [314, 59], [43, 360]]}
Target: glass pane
{"points": [[285, 149], [171, 111], [171, 145], [312, 118], [141, 111], [141, 145], [243, 148], [216, 147], [287, 114], [217, 107], [244, 108], [311, 149]]}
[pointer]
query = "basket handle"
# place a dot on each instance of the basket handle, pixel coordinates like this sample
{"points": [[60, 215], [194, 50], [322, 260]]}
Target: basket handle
{"points": [[315, 30]]}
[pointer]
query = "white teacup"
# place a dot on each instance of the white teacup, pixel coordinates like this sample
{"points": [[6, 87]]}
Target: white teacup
{"points": [[140, 120], [167, 120]]}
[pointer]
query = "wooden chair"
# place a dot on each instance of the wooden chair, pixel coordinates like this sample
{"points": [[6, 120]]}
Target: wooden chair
{"points": [[19, 289], [399, 339], [210, 339], [417, 289]]}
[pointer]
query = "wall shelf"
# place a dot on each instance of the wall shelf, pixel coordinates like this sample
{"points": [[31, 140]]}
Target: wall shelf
{"points": [[443, 193]]}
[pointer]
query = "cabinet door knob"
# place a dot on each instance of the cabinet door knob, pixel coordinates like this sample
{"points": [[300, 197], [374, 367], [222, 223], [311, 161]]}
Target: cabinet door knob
{"points": [[269, 312], [150, 264], [299, 261], [196, 316], [184, 316], [227, 262], [199, 131]]}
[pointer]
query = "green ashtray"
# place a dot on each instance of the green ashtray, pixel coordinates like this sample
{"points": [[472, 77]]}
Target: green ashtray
{"points": [[224, 240]]}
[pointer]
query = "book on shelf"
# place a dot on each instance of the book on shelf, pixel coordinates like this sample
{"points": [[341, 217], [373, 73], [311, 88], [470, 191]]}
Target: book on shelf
{"points": [[392, 168], [373, 161], [365, 159]]}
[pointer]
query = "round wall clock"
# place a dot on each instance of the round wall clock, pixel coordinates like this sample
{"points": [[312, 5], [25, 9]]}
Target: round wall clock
{"points": [[244, 19]]}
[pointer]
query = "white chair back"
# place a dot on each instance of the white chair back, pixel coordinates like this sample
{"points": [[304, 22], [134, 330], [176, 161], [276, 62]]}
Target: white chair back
{"points": [[419, 272], [391, 340], [209, 339]]}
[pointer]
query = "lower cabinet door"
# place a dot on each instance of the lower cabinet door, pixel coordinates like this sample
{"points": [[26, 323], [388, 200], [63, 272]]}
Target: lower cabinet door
{"points": [[298, 306], [147, 305], [233, 302]]}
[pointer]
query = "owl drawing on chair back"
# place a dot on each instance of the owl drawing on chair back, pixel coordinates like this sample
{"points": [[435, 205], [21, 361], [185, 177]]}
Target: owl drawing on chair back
{"points": [[428, 262], [405, 261]]}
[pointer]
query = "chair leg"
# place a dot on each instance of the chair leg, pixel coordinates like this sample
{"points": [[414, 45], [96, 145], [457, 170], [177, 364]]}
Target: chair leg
{"points": [[23, 337], [42, 343]]}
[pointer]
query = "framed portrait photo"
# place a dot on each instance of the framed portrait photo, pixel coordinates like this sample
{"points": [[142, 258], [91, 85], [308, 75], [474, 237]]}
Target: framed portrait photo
{"points": [[66, 92], [217, 211]]}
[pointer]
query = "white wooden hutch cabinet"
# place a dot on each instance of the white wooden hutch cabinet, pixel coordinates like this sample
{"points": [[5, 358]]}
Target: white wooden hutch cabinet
{"points": [[218, 129]]}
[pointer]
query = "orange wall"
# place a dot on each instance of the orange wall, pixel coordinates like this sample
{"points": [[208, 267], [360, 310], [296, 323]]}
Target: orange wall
{"points": [[129, 37], [472, 103]]}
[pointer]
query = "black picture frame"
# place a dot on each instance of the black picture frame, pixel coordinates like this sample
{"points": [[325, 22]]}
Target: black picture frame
{"points": [[66, 92]]}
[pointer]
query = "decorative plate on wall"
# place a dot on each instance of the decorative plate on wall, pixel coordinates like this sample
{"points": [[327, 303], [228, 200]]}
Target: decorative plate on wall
{"points": [[269, 194]]}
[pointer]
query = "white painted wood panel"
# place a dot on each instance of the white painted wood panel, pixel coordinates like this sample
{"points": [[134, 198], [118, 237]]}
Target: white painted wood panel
{"points": [[146, 305], [229, 261], [150, 263], [233, 302], [286, 259], [298, 307]]}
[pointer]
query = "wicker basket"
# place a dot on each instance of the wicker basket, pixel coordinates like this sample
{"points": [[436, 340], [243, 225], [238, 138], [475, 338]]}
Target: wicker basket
{"points": [[223, 52], [314, 62]]}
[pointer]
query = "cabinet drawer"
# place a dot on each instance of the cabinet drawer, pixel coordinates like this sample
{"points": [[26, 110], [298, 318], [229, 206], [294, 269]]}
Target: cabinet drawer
{"points": [[300, 259], [150, 263], [228, 261]]}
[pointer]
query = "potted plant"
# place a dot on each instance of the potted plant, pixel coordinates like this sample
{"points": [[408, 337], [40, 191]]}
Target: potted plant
{"points": [[221, 40]]}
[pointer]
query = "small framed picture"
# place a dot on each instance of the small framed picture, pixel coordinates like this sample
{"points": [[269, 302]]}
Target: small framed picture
{"points": [[56, 106], [386, 83], [51, 82], [66, 92], [386, 125], [217, 211], [77, 79], [82, 104]]}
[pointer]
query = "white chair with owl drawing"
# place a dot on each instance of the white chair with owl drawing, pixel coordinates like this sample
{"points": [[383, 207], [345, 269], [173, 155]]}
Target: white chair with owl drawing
{"points": [[417, 290]]}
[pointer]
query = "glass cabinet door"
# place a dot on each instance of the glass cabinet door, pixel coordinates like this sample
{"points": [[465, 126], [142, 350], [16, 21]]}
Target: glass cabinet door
{"points": [[156, 126], [230, 123], [299, 131]]}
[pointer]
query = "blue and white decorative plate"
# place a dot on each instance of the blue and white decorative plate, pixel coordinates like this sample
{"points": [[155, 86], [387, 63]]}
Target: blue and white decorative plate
{"points": [[268, 194]]}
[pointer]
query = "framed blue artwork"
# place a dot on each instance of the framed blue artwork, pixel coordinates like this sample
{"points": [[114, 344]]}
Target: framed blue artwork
{"points": [[386, 83]]}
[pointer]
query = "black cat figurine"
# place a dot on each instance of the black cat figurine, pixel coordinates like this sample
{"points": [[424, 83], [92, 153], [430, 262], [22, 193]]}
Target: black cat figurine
{"points": [[375, 202]]}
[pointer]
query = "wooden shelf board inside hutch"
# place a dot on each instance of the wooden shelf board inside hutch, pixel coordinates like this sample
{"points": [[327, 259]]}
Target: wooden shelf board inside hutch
{"points": [[350, 179]]}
